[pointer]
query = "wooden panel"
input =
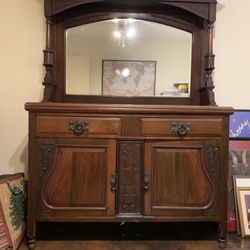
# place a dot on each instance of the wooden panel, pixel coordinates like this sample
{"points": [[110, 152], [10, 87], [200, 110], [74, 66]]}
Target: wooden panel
{"points": [[131, 126], [199, 127], [179, 179], [184, 178], [129, 199], [77, 179], [85, 182], [59, 125]]}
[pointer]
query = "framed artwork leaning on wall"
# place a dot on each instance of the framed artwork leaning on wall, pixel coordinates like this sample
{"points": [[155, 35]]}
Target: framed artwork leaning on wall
{"points": [[239, 125], [243, 201]]}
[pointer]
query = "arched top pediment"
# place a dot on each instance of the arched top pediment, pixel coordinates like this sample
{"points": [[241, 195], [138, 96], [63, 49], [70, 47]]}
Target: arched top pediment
{"points": [[202, 8]]}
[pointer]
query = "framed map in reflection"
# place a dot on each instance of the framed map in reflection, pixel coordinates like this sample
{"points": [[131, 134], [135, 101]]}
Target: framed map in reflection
{"points": [[128, 78]]}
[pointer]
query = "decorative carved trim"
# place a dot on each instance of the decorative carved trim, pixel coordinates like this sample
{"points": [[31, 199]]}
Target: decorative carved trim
{"points": [[48, 63], [130, 197], [46, 156], [212, 164], [130, 164], [212, 161]]}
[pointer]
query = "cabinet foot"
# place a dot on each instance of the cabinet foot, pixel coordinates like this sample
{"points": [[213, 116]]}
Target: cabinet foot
{"points": [[222, 235], [222, 243], [31, 243]]}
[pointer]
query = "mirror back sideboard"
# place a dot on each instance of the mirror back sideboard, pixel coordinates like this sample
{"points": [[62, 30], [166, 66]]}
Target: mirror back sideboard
{"points": [[97, 158]]}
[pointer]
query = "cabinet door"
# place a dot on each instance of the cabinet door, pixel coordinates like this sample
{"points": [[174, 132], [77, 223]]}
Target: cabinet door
{"points": [[75, 177], [183, 178]]}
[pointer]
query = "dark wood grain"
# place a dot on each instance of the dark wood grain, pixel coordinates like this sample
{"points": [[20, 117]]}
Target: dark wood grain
{"points": [[81, 172], [83, 108], [59, 126], [184, 183]]}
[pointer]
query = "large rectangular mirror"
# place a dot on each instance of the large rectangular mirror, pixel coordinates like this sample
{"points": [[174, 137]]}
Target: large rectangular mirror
{"points": [[128, 57]]}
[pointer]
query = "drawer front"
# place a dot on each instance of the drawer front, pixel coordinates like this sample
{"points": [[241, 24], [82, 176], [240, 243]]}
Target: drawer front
{"points": [[181, 127], [69, 126]]}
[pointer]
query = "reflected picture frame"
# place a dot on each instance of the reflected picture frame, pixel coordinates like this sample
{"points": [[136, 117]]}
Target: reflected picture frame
{"points": [[128, 78], [243, 201]]}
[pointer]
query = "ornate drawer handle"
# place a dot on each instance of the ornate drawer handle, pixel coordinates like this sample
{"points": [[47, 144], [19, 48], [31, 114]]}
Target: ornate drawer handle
{"points": [[181, 128], [78, 126], [146, 182], [113, 183]]}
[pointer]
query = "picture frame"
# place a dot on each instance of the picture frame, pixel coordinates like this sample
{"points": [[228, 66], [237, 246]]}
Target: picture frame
{"points": [[239, 125], [243, 200], [128, 78], [239, 181], [239, 167]]}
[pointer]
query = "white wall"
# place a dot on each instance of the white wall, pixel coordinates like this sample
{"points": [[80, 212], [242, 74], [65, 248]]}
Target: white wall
{"points": [[22, 41]]}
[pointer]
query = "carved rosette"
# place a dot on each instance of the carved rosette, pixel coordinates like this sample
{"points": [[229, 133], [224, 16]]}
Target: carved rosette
{"points": [[130, 164]]}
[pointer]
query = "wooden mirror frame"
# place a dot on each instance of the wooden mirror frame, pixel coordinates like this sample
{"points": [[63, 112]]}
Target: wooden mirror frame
{"points": [[195, 16]]}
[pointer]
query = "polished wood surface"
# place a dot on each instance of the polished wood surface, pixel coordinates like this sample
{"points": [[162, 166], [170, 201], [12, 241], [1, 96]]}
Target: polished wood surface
{"points": [[131, 175], [162, 127], [185, 183], [59, 126], [82, 172], [199, 7], [84, 108]]}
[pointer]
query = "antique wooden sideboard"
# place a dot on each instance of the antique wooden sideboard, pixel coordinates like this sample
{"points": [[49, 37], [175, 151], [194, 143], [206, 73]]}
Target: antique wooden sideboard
{"points": [[97, 158]]}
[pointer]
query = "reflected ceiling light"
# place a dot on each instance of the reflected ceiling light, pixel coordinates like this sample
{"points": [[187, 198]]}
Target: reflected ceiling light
{"points": [[117, 34], [125, 30], [126, 72], [131, 20], [115, 20], [130, 33]]}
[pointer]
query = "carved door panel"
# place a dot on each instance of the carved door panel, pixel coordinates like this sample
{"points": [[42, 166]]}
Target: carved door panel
{"points": [[129, 198], [75, 177], [183, 178]]}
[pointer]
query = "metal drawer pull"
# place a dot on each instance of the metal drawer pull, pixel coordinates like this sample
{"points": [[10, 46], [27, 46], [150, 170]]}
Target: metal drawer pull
{"points": [[78, 126], [113, 182], [146, 182], [181, 128]]}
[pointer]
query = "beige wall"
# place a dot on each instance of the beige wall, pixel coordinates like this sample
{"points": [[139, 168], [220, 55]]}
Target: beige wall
{"points": [[232, 49], [22, 41]]}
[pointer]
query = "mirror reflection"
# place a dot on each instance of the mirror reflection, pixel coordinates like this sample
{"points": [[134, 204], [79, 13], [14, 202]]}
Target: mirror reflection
{"points": [[128, 57]]}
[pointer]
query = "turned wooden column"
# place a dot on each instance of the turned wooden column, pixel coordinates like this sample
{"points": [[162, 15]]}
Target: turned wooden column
{"points": [[208, 97], [49, 90]]}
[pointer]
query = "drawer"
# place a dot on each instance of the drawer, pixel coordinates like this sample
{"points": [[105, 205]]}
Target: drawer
{"points": [[194, 127], [71, 126]]}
